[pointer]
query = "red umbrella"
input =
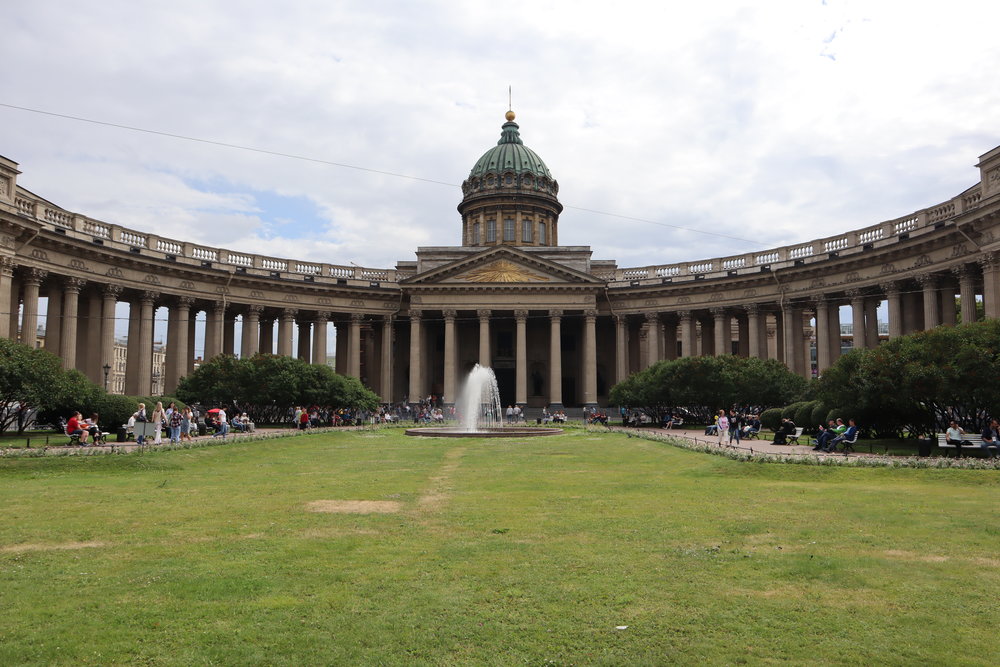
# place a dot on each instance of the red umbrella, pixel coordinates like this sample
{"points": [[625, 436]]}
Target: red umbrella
{"points": [[213, 410]]}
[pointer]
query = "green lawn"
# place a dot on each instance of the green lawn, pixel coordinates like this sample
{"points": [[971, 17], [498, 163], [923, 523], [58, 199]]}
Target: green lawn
{"points": [[498, 552]]}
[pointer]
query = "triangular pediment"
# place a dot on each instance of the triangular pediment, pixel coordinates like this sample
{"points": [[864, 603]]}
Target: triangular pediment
{"points": [[502, 265]]}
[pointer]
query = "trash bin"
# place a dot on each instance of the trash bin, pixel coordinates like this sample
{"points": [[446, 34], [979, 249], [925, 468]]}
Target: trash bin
{"points": [[202, 429], [122, 434], [538, 421], [924, 446]]}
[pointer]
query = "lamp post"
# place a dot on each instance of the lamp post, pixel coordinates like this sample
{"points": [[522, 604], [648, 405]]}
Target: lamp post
{"points": [[107, 369]]}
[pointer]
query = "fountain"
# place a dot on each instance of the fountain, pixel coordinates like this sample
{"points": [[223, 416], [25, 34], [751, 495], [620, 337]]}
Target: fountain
{"points": [[480, 412]]}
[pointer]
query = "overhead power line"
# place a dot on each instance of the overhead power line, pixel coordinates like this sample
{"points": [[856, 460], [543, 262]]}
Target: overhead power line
{"points": [[344, 165]]}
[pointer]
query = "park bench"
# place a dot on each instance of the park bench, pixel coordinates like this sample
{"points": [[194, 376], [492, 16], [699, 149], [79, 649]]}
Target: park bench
{"points": [[975, 440], [794, 437]]}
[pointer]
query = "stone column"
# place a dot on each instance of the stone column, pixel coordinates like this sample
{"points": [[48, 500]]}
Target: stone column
{"points": [[229, 334], [822, 334], [621, 348], [871, 321], [521, 357], [895, 308], [484, 337], [110, 294], [178, 331], [723, 332], [946, 295], [53, 319], [654, 338], [250, 339], [14, 314], [6, 284], [967, 292], [266, 339], [416, 358], [32, 280], [285, 332], [192, 334], [305, 340], [146, 343], [214, 329], [555, 360], [319, 337], [590, 357], [687, 325], [791, 334], [857, 318], [134, 350], [354, 354], [833, 317], [755, 332], [669, 326], [450, 354], [385, 385], [929, 286], [70, 311], [990, 263]]}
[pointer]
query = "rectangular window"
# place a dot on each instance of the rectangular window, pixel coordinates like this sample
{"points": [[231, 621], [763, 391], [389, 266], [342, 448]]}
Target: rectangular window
{"points": [[541, 233], [475, 233], [491, 231], [508, 229], [526, 227]]}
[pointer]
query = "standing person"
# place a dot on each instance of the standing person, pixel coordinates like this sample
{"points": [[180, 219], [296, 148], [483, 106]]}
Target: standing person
{"points": [[223, 428], [735, 423], [140, 418], [174, 424], [303, 420], [186, 420], [510, 414], [157, 419], [723, 426]]}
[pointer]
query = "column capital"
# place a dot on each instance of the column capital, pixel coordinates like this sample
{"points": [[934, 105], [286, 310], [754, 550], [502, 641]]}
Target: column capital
{"points": [[855, 295], [35, 276], [989, 260], [890, 288], [357, 318], [717, 312], [149, 297], [415, 314], [7, 266], [621, 319], [484, 313], [450, 314], [289, 313], [520, 315], [74, 285], [591, 314], [111, 291], [819, 300], [684, 315], [652, 317], [255, 309], [927, 280], [388, 318], [961, 271], [752, 308], [555, 314], [321, 315]]}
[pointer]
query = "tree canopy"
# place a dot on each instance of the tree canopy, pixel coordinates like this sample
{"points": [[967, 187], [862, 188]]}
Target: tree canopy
{"points": [[702, 385], [266, 387]]}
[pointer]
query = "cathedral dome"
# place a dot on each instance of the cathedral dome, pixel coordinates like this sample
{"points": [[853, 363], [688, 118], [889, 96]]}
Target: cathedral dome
{"points": [[510, 155]]}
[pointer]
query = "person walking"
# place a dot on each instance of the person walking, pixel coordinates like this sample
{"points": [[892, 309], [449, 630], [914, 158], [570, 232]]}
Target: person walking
{"points": [[157, 419], [723, 427]]}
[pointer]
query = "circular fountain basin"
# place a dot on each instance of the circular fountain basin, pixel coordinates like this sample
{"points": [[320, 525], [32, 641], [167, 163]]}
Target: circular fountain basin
{"points": [[483, 432]]}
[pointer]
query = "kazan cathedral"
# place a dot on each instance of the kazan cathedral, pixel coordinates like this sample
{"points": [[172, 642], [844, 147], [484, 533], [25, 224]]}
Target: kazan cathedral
{"points": [[559, 327]]}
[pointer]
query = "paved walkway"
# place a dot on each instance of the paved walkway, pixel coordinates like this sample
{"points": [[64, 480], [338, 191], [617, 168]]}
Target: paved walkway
{"points": [[754, 446]]}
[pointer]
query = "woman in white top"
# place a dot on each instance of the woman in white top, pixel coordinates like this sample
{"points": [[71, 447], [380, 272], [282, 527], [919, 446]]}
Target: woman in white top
{"points": [[723, 429], [157, 420]]}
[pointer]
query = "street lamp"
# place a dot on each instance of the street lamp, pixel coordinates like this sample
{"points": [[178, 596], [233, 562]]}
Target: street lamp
{"points": [[107, 369]]}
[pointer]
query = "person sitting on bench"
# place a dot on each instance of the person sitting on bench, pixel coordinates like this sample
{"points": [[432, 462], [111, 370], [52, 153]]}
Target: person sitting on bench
{"points": [[786, 429], [955, 435], [991, 438], [74, 427], [848, 437]]}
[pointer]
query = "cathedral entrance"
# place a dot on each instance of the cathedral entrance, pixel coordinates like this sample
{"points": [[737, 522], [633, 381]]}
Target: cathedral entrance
{"points": [[506, 382]]}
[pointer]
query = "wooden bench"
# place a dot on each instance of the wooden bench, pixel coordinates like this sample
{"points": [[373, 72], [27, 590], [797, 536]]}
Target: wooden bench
{"points": [[794, 437], [975, 440]]}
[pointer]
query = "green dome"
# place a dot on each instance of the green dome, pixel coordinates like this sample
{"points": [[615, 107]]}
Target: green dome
{"points": [[510, 154]]}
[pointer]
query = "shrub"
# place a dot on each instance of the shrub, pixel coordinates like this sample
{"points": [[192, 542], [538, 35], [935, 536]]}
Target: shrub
{"points": [[771, 419], [788, 412], [819, 414]]}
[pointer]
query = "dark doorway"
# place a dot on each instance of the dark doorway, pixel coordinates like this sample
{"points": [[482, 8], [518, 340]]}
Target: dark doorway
{"points": [[506, 380]]}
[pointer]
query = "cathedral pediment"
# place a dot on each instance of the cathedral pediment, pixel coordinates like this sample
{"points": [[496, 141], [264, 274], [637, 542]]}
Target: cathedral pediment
{"points": [[502, 265]]}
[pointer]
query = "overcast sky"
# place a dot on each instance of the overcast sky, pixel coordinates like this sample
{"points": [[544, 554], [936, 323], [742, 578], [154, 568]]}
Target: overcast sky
{"points": [[758, 124]]}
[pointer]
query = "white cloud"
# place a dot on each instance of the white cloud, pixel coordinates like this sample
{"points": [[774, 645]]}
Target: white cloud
{"points": [[772, 122]]}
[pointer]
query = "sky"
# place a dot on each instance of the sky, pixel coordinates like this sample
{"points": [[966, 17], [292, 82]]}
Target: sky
{"points": [[695, 129]]}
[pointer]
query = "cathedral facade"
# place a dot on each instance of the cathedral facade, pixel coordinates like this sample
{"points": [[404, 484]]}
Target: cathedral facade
{"points": [[558, 326]]}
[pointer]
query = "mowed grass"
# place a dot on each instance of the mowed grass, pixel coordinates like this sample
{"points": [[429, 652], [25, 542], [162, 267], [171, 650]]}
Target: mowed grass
{"points": [[499, 552]]}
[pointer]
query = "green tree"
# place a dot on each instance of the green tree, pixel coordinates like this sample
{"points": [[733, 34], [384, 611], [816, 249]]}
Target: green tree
{"points": [[29, 378]]}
